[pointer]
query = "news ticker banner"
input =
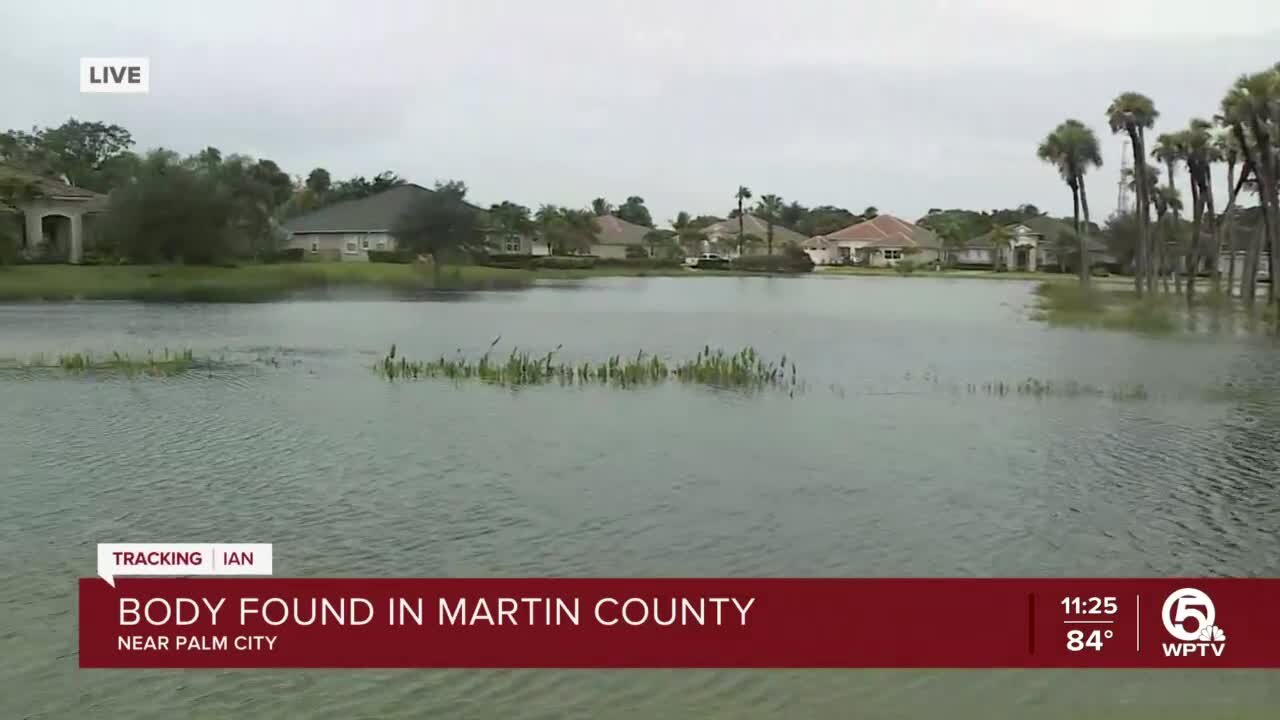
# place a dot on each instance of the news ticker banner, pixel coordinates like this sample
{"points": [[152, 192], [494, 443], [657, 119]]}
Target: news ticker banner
{"points": [[272, 622]]}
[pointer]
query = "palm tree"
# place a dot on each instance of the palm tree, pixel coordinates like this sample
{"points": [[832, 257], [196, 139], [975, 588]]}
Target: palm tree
{"points": [[1227, 149], [1073, 148], [770, 210], [1200, 154], [743, 194], [1251, 109], [1000, 238], [1133, 114], [600, 206], [1167, 200], [657, 237]]}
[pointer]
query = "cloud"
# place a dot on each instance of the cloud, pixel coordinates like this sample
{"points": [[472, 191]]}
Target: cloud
{"points": [[905, 105]]}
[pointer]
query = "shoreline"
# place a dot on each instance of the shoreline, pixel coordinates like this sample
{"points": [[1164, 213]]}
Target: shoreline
{"points": [[272, 282]]}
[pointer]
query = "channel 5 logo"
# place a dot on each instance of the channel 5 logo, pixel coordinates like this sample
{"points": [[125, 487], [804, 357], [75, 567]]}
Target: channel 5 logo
{"points": [[1190, 616]]}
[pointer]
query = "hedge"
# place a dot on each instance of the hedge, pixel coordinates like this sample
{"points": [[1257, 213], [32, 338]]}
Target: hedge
{"points": [[564, 262], [773, 263], [391, 256]]}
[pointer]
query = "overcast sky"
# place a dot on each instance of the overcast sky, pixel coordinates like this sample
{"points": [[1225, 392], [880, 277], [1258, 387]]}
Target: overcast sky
{"points": [[901, 104]]}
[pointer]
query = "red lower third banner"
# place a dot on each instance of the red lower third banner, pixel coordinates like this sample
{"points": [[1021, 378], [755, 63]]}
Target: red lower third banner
{"points": [[679, 623]]}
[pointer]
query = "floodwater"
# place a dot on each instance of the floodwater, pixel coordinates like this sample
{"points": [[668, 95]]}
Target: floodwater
{"points": [[880, 467]]}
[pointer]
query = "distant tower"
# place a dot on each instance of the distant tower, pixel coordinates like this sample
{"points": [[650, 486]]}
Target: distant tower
{"points": [[1122, 191]]}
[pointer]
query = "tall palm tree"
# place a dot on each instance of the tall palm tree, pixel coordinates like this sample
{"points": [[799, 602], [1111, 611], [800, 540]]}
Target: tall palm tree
{"points": [[1170, 149], [1251, 109], [769, 208], [1133, 114], [1228, 149], [1200, 154], [743, 194], [1073, 148]]}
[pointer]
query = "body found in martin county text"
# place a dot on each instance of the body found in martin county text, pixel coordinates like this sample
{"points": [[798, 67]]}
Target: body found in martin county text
{"points": [[196, 643]]}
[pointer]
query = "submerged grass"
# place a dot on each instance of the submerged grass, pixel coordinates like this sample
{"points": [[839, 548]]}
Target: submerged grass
{"points": [[744, 369], [1073, 305], [164, 364]]}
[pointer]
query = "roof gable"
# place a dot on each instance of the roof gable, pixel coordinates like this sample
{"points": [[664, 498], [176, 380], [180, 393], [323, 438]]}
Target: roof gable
{"points": [[613, 230], [48, 187], [375, 213], [887, 231], [754, 225]]}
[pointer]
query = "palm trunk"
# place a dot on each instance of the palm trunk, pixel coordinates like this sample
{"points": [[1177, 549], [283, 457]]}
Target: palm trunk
{"points": [[740, 232], [1197, 216], [770, 234], [1139, 172], [1084, 203], [1225, 227], [1211, 222], [1177, 276], [1084, 254]]}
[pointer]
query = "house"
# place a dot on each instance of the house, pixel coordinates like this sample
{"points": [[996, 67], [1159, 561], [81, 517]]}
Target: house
{"points": [[57, 217], [1038, 243], [348, 230], [615, 234], [882, 241], [724, 235]]}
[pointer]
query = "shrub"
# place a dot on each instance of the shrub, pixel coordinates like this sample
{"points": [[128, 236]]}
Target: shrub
{"points": [[402, 257], [713, 264], [650, 263], [286, 255], [8, 243], [786, 263], [565, 262], [514, 261], [905, 267]]}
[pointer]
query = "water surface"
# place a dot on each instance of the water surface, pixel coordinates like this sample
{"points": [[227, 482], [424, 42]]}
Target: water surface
{"points": [[889, 474]]}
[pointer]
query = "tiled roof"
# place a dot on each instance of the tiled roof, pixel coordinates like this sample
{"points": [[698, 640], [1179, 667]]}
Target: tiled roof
{"points": [[616, 231], [375, 213], [47, 187], [753, 225], [889, 232]]}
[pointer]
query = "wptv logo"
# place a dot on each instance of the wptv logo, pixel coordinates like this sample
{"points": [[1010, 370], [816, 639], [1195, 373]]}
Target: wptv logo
{"points": [[1189, 616]]}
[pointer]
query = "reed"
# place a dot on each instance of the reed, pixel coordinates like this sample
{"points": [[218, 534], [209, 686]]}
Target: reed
{"points": [[163, 364], [744, 369]]}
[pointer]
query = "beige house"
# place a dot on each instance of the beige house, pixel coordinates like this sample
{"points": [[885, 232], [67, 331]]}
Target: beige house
{"points": [[615, 234], [722, 237], [1036, 244], [882, 241], [54, 215]]}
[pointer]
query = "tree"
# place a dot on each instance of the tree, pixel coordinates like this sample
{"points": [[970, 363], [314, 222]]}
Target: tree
{"points": [[85, 153], [1228, 150], [172, 212], [567, 231], [743, 194], [870, 213], [655, 238], [769, 208], [600, 206], [792, 215], [442, 225], [1251, 109], [1199, 153], [1073, 149], [509, 220], [319, 182], [1133, 114], [1000, 239], [634, 211]]}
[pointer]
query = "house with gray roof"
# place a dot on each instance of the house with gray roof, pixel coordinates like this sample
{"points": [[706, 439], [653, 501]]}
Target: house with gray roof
{"points": [[724, 235], [348, 230], [614, 235]]}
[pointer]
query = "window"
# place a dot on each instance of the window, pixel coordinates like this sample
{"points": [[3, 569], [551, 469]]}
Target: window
{"points": [[513, 244], [351, 246], [315, 246], [843, 252], [364, 243], [892, 254], [382, 244]]}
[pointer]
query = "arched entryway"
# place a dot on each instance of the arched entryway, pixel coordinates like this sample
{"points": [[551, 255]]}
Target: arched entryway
{"points": [[55, 235]]}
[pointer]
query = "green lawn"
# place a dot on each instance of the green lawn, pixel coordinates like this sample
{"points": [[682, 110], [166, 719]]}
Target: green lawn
{"points": [[247, 283]]}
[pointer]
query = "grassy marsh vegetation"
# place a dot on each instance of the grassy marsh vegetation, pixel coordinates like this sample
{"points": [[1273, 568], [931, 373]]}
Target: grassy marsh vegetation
{"points": [[744, 369], [163, 364], [1069, 304]]}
